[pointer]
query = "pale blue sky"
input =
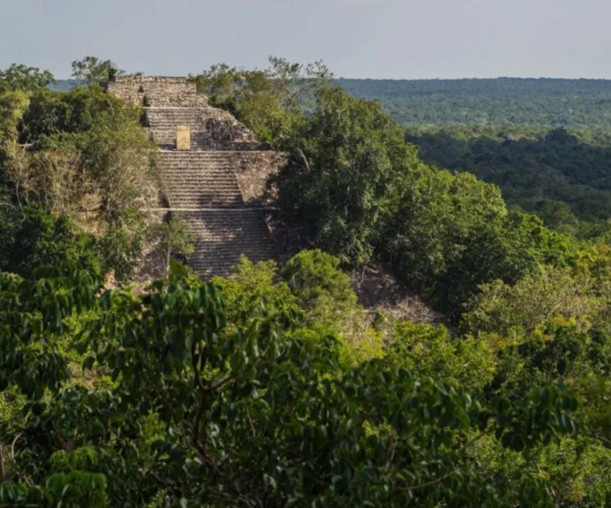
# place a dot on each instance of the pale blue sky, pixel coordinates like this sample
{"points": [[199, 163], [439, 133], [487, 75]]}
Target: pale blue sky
{"points": [[355, 38]]}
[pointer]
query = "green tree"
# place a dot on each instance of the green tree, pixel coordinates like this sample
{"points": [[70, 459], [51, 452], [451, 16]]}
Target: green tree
{"points": [[431, 351], [516, 311], [38, 239], [174, 239], [270, 101], [88, 158], [94, 71], [22, 77], [317, 282], [12, 108], [342, 166], [254, 290]]}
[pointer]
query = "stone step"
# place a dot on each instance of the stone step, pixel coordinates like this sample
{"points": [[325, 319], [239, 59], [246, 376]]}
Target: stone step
{"points": [[200, 179], [158, 99], [208, 125], [158, 118], [224, 235]]}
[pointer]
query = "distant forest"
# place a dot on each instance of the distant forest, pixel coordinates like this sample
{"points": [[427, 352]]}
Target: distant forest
{"points": [[545, 142], [480, 102], [563, 176], [64, 85]]}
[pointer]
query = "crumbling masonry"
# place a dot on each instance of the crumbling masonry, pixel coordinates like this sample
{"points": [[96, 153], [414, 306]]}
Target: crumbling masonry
{"points": [[214, 170]]}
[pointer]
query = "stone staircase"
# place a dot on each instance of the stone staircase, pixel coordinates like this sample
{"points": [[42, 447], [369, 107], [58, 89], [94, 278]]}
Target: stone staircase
{"points": [[224, 234], [214, 185], [200, 179], [162, 122], [211, 128]]}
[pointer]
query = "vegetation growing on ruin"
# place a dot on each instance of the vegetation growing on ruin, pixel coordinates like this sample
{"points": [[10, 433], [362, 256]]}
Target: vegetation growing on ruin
{"points": [[75, 167]]}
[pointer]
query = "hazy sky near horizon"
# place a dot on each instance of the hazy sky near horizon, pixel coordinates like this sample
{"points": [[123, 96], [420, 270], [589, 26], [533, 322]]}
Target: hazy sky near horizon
{"points": [[355, 38]]}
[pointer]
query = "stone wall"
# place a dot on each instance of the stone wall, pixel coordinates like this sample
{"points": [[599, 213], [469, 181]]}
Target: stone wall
{"points": [[155, 91], [254, 170]]}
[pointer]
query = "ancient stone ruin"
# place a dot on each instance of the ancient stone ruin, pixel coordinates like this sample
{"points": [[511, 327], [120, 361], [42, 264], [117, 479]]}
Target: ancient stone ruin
{"points": [[213, 169]]}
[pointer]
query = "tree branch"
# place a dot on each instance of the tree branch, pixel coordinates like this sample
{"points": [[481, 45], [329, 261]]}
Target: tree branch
{"points": [[305, 160], [2, 474]]}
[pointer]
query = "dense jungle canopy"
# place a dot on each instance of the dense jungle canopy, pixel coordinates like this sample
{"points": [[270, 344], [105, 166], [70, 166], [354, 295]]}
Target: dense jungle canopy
{"points": [[273, 386]]}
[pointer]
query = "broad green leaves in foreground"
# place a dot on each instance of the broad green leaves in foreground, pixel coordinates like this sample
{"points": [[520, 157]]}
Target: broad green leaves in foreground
{"points": [[177, 404]]}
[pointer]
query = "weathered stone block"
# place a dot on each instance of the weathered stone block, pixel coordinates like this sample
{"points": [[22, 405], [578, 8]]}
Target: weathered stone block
{"points": [[156, 91], [183, 137]]}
